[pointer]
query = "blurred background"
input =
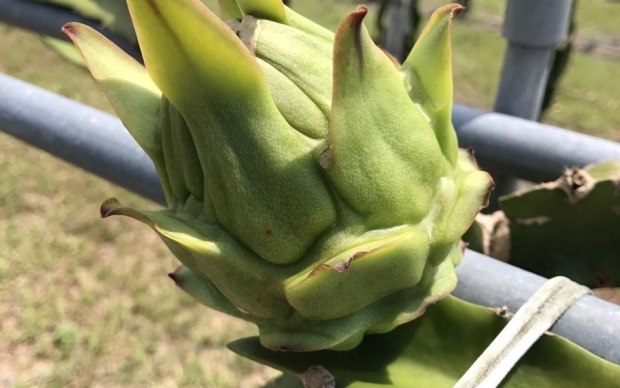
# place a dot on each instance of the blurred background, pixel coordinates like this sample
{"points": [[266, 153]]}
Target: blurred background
{"points": [[86, 302]]}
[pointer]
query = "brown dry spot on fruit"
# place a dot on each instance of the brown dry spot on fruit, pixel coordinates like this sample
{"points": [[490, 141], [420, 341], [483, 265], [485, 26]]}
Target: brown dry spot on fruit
{"points": [[345, 265], [326, 160], [247, 30]]}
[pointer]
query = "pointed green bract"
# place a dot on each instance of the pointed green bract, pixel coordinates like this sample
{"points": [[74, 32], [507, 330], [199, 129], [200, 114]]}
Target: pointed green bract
{"points": [[303, 58], [126, 83], [428, 77], [188, 52], [265, 9], [229, 10], [242, 117], [473, 194], [112, 14], [383, 152], [128, 87]]}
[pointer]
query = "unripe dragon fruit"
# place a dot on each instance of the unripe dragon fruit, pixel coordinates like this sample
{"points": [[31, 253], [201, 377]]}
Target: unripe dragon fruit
{"points": [[312, 182]]}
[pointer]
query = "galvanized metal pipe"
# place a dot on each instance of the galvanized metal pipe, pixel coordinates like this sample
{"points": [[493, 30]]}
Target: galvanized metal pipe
{"points": [[79, 134], [527, 149], [592, 323], [522, 148], [98, 142], [48, 20], [399, 16], [533, 29]]}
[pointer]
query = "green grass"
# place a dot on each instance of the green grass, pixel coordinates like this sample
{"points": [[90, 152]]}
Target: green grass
{"points": [[594, 17], [86, 302]]}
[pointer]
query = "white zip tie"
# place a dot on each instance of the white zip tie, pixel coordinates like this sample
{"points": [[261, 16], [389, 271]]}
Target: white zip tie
{"points": [[532, 320]]}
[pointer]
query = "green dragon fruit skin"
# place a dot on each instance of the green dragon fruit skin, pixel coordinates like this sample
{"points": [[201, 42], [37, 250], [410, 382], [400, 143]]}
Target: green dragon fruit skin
{"points": [[312, 182]]}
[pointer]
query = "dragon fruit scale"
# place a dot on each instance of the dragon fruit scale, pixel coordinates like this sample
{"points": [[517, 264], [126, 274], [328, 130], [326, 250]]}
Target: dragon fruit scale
{"points": [[312, 182]]}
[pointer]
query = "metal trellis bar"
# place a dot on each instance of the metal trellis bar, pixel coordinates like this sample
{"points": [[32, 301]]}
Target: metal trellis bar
{"points": [[48, 20]]}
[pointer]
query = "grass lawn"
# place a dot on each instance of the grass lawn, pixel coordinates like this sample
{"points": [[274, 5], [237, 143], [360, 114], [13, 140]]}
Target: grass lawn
{"points": [[86, 302]]}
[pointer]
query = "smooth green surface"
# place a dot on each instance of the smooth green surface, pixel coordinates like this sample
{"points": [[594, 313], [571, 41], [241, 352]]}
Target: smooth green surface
{"points": [[552, 237], [435, 350]]}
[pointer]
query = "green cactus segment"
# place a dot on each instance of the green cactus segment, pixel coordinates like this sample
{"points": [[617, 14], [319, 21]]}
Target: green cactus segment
{"points": [[229, 10], [130, 90], [382, 156], [331, 290], [251, 155], [265, 9], [303, 58], [435, 350], [428, 77], [569, 227]]}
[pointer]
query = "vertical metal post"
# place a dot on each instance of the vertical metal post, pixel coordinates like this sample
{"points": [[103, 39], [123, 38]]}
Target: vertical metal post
{"points": [[397, 29], [533, 28]]}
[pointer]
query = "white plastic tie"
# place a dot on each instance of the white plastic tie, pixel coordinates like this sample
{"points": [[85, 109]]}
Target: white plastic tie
{"points": [[532, 320]]}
